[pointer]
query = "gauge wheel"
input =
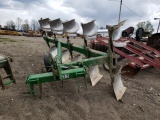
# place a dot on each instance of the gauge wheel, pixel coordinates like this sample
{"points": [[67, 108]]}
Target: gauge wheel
{"points": [[46, 62]]}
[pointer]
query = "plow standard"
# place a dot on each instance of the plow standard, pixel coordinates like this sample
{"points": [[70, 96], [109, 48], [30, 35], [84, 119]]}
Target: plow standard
{"points": [[60, 63]]}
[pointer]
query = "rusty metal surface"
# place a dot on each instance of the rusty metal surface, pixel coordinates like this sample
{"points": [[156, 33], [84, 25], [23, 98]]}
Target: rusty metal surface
{"points": [[143, 55], [154, 41], [130, 71]]}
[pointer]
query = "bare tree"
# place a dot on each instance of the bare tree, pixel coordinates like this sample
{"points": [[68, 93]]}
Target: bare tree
{"points": [[146, 25], [34, 25], [18, 23], [26, 25], [10, 24]]}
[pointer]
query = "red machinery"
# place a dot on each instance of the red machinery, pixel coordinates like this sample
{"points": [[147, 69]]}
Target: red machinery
{"points": [[140, 56]]}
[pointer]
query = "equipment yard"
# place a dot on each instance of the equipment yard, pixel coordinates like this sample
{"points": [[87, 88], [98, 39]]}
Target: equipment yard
{"points": [[140, 102]]}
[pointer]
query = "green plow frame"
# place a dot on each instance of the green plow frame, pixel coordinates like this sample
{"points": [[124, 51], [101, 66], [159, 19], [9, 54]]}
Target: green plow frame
{"points": [[67, 71]]}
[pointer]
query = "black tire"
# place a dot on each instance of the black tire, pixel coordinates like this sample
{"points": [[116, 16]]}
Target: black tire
{"points": [[96, 46], [103, 48], [46, 62], [99, 47], [93, 46]]}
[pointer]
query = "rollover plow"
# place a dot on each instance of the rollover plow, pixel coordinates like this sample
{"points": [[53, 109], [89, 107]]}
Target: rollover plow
{"points": [[60, 63]]}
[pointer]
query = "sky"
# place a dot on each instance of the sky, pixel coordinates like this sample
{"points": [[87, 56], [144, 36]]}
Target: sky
{"points": [[105, 12]]}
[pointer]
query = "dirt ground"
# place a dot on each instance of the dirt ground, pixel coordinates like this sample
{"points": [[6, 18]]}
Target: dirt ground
{"points": [[140, 102]]}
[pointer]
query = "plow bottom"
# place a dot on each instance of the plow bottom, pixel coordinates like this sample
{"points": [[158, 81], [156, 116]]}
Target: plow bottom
{"points": [[66, 57], [94, 74], [118, 86]]}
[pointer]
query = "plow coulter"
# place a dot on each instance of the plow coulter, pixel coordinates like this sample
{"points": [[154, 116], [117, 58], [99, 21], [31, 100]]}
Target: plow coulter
{"points": [[61, 64]]}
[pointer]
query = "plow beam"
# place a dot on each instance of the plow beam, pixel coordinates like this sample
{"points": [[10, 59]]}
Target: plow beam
{"points": [[76, 48], [89, 61]]}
